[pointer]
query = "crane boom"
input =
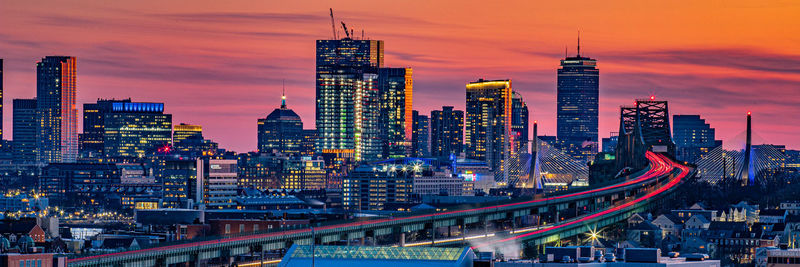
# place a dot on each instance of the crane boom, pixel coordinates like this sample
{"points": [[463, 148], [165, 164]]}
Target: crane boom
{"points": [[345, 30], [333, 26]]}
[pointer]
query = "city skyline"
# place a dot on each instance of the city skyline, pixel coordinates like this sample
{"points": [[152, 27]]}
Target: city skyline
{"points": [[665, 62]]}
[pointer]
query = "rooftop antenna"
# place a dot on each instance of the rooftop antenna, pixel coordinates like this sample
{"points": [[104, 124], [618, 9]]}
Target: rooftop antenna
{"points": [[565, 51], [362, 34], [283, 94], [579, 43], [333, 26]]}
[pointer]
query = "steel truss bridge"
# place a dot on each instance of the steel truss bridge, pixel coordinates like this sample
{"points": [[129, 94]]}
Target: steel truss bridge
{"points": [[564, 216]]}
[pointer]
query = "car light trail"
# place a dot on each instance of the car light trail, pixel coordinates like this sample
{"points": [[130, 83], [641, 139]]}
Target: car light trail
{"points": [[673, 182], [659, 166]]}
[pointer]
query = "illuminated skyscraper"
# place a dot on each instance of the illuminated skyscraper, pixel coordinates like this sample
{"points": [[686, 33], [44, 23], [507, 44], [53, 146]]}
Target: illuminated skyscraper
{"points": [[488, 122], [396, 90], [281, 131], [90, 142], [519, 123], [348, 99], [135, 129], [577, 103], [447, 132], [57, 115], [24, 133], [420, 136]]}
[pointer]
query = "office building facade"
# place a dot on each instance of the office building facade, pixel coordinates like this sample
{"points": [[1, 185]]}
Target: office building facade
{"points": [[421, 135], [185, 131], [281, 131], [24, 123], [577, 106], [216, 183], [488, 122], [57, 115], [693, 137], [447, 132], [396, 124], [135, 129], [519, 123], [347, 107]]}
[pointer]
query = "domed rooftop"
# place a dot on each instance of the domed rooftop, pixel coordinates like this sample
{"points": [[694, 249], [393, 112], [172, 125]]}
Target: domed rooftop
{"points": [[283, 113]]}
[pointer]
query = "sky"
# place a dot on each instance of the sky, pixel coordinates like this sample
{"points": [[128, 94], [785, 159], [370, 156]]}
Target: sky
{"points": [[222, 64]]}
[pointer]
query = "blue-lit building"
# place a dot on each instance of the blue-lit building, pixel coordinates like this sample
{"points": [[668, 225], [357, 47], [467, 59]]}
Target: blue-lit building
{"points": [[135, 129], [24, 123], [348, 97], [693, 137], [447, 132], [57, 114], [421, 142], [281, 131], [577, 106]]}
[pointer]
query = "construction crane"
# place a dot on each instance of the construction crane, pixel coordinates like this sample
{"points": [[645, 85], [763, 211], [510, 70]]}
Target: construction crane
{"points": [[333, 26], [345, 30]]}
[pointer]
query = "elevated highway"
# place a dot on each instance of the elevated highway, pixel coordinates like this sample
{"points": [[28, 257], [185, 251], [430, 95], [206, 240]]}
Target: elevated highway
{"points": [[558, 217]]}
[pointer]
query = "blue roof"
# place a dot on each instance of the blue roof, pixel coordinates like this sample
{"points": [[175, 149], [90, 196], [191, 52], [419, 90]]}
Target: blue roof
{"points": [[353, 256]]}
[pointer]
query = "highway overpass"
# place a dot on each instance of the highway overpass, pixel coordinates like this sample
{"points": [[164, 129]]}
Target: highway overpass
{"points": [[563, 216]]}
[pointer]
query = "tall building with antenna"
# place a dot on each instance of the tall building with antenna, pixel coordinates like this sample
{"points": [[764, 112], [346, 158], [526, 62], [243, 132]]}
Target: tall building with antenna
{"points": [[281, 131], [577, 105]]}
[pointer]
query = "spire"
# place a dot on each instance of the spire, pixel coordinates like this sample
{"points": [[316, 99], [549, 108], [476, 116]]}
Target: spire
{"points": [[579, 43], [283, 95]]}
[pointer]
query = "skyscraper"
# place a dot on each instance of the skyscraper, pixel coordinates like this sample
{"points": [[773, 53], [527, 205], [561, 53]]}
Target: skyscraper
{"points": [[577, 103], [488, 122], [420, 136], [281, 131], [24, 134], [90, 142], [447, 132], [135, 129], [347, 108], [396, 90], [519, 123], [57, 115], [693, 137]]}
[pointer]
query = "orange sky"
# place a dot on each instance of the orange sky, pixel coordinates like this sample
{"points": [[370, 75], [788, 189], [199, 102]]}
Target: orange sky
{"points": [[221, 63]]}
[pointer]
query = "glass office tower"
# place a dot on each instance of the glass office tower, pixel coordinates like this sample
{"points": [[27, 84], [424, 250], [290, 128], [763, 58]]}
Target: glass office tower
{"points": [[347, 108], [577, 103], [57, 115], [396, 93], [488, 122], [447, 132]]}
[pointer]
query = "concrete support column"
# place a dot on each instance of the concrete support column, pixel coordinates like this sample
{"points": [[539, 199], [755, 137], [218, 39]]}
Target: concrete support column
{"points": [[402, 239], [433, 235], [463, 233]]}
